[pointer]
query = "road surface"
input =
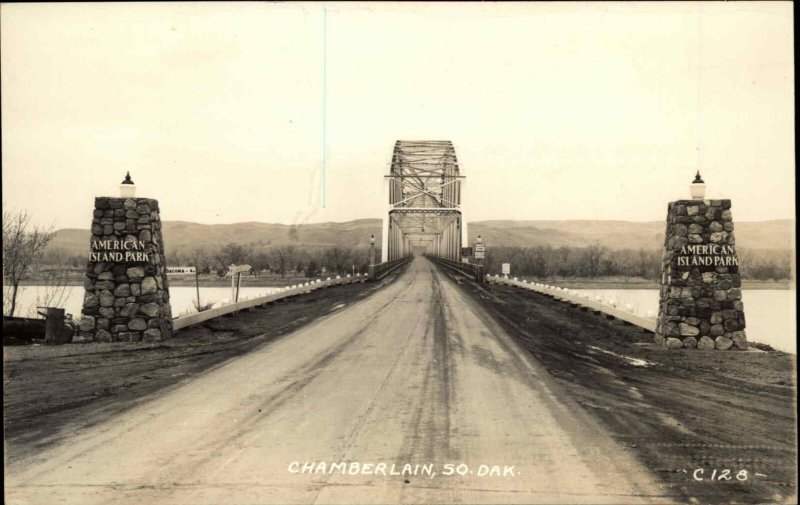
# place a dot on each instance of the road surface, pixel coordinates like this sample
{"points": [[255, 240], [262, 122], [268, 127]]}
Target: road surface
{"points": [[413, 395]]}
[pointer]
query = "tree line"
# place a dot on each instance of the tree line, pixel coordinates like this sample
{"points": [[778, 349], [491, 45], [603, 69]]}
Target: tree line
{"points": [[310, 261], [542, 261], [26, 256], [596, 260]]}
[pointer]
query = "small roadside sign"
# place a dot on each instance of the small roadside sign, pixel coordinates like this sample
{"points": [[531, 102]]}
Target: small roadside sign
{"points": [[237, 269], [479, 255], [506, 268], [466, 252], [480, 248], [235, 273]]}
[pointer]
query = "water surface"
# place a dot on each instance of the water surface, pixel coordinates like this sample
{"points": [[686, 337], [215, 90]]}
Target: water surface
{"points": [[770, 313]]}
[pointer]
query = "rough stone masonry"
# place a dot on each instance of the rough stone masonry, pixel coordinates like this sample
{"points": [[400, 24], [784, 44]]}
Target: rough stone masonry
{"points": [[700, 304], [127, 293]]}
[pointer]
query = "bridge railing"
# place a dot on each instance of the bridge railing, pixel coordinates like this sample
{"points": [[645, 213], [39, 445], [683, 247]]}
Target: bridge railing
{"points": [[475, 272], [287, 292], [381, 270], [578, 299]]}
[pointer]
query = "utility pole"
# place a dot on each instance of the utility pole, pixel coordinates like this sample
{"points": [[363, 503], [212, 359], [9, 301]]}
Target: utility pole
{"points": [[197, 282]]}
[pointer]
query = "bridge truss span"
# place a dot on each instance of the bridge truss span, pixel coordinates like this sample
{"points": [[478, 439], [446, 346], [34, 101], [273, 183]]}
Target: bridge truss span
{"points": [[424, 189]]}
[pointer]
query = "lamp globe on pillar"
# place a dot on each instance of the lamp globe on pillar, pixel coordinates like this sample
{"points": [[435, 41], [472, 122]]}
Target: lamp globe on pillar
{"points": [[127, 189], [698, 187], [371, 271]]}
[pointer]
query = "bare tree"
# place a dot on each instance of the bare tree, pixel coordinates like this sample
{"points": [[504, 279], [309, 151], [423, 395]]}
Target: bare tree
{"points": [[565, 261], [231, 253], [256, 257], [541, 263], [199, 258], [647, 263], [23, 245], [338, 257], [54, 278], [312, 268], [282, 257], [594, 255], [745, 260]]}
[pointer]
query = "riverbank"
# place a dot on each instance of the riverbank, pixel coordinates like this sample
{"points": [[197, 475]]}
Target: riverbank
{"points": [[683, 413], [637, 283], [51, 393], [207, 281]]}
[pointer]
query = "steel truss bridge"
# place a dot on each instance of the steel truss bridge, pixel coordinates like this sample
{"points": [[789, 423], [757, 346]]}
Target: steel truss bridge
{"points": [[424, 188]]}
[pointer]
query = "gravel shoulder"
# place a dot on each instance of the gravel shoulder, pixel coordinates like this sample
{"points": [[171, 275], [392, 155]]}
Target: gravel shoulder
{"points": [[680, 411], [52, 392]]}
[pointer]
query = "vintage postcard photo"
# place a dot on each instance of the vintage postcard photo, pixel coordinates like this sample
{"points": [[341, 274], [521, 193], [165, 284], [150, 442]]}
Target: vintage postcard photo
{"points": [[264, 253]]}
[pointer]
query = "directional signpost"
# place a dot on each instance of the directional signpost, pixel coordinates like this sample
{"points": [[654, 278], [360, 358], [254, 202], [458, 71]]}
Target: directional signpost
{"points": [[480, 250], [235, 273]]}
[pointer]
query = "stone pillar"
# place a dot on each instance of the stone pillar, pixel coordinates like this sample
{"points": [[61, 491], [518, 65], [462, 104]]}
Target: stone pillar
{"points": [[700, 304], [127, 292]]}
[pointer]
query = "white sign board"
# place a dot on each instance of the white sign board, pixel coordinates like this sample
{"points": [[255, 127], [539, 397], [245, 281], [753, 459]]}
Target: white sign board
{"points": [[480, 247], [479, 255], [237, 269], [506, 268]]}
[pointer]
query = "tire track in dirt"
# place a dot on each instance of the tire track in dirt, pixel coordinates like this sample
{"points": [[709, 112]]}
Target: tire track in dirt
{"points": [[693, 410]]}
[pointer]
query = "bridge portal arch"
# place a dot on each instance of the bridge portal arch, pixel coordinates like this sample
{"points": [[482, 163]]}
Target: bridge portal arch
{"points": [[424, 190]]}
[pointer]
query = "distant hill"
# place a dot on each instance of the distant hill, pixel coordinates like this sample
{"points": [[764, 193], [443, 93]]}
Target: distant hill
{"points": [[181, 236], [775, 234]]}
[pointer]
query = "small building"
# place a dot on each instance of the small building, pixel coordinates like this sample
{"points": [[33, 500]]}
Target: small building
{"points": [[180, 270]]}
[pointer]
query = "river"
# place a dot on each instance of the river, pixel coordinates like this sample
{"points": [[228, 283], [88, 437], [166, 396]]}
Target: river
{"points": [[771, 313], [182, 298]]}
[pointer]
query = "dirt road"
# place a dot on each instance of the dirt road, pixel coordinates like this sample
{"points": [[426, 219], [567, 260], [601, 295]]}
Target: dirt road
{"points": [[417, 374], [52, 393], [714, 427]]}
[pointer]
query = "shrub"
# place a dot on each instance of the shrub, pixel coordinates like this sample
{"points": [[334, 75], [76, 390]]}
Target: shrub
{"points": [[202, 307]]}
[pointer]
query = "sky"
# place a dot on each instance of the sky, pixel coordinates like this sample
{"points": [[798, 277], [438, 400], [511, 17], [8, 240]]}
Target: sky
{"points": [[288, 113]]}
